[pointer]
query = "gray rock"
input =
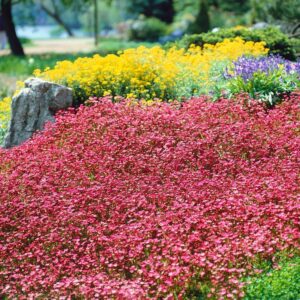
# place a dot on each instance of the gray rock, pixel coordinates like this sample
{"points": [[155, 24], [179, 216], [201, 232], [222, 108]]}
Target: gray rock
{"points": [[260, 25], [35, 105]]}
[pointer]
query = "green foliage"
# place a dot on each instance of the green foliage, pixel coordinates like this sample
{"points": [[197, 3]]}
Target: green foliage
{"points": [[3, 92], [3, 121], [221, 13], [296, 45], [275, 40], [111, 45], [238, 6], [26, 41], [267, 87], [234, 6], [276, 10], [108, 14], [276, 284], [2, 137], [160, 9], [147, 29], [197, 289], [12, 65], [226, 19]]}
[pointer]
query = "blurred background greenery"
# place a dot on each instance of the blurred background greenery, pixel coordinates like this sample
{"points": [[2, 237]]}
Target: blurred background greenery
{"points": [[146, 20]]}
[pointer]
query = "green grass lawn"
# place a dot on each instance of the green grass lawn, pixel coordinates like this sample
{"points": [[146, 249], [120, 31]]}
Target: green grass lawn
{"points": [[16, 66], [8, 84]]}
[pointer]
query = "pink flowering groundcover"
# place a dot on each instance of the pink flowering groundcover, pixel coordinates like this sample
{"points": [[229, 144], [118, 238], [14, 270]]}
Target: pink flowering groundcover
{"points": [[121, 201]]}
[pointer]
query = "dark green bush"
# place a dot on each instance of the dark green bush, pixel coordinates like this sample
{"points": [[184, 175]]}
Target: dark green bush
{"points": [[147, 29], [281, 284], [296, 45], [275, 40]]}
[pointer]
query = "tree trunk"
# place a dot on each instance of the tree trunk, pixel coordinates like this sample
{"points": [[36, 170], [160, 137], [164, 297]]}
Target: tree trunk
{"points": [[96, 22], [9, 26], [55, 16]]}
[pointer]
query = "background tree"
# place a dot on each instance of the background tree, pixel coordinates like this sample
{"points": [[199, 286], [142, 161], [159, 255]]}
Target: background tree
{"points": [[96, 22], [208, 14], [202, 20], [54, 9], [10, 28], [233, 6], [160, 9], [283, 12]]}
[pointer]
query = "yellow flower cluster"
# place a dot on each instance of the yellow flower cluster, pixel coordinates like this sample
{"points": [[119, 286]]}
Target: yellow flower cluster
{"points": [[4, 112], [148, 73]]}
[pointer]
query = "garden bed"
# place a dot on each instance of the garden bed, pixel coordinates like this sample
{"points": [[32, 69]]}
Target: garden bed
{"points": [[127, 201]]}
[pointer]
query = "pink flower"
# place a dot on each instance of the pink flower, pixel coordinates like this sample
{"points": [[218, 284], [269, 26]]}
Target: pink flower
{"points": [[132, 202]]}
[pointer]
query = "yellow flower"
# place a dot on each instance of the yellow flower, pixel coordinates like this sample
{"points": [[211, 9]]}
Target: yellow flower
{"points": [[148, 73], [5, 106], [107, 93]]}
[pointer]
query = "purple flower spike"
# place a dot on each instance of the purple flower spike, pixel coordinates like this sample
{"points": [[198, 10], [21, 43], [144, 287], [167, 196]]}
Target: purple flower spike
{"points": [[245, 67]]}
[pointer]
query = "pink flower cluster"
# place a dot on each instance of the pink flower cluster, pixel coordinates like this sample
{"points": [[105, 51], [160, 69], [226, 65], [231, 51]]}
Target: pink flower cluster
{"points": [[118, 201]]}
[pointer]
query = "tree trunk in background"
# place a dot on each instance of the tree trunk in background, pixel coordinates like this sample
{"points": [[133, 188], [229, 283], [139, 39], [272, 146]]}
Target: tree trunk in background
{"points": [[56, 17], [9, 25], [96, 22]]}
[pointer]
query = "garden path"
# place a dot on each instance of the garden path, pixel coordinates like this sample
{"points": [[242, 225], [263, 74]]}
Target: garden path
{"points": [[67, 45]]}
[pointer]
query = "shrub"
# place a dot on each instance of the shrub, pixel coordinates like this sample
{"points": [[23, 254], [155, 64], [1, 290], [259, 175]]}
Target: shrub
{"points": [[145, 73], [147, 29], [276, 41], [120, 201]]}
